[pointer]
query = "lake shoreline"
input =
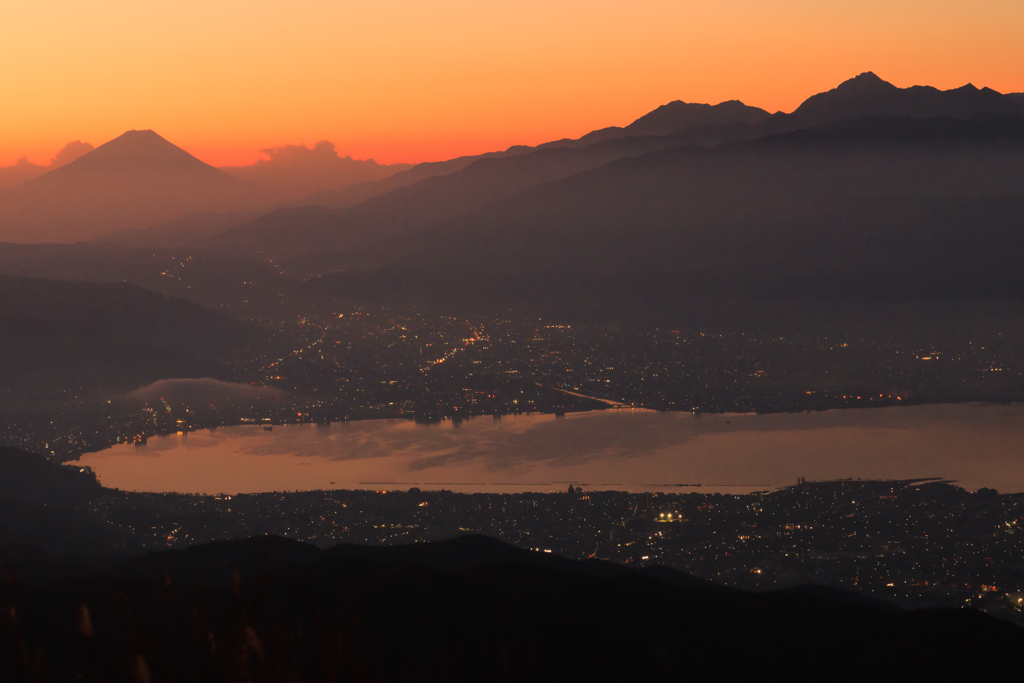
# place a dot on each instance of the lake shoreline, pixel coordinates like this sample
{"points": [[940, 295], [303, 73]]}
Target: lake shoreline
{"points": [[974, 444], [569, 411]]}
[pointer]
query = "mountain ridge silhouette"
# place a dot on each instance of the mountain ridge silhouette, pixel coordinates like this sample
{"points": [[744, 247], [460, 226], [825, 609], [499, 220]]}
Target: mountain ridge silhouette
{"points": [[457, 609], [295, 171], [867, 95], [405, 211], [418, 198]]}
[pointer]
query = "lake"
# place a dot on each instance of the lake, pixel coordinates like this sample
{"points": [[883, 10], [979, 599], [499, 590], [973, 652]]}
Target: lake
{"points": [[977, 445]]}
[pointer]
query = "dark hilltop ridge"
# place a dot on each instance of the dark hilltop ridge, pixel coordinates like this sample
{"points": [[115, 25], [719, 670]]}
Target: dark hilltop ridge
{"points": [[75, 337], [471, 609]]}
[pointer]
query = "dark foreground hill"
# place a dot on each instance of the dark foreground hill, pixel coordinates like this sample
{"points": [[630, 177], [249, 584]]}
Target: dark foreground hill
{"points": [[470, 609], [58, 336], [29, 478], [41, 504]]}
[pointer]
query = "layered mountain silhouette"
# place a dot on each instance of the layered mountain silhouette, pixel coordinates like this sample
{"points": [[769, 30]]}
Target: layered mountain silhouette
{"points": [[404, 212], [865, 95], [870, 207], [867, 187], [410, 210], [293, 172], [359, 192], [134, 181], [672, 118]]}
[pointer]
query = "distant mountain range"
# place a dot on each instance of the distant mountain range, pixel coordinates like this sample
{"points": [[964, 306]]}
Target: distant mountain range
{"points": [[870, 207], [672, 118], [865, 183], [870, 190], [471, 184], [289, 174], [409, 210], [867, 95], [294, 172]]}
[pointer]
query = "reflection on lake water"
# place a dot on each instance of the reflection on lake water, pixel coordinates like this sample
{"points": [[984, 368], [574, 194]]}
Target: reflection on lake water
{"points": [[627, 450]]}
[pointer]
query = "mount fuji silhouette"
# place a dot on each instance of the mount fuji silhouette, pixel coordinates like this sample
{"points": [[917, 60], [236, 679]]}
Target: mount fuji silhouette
{"points": [[134, 181]]}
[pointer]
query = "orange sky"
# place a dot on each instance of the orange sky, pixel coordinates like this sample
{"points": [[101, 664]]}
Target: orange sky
{"points": [[411, 80]]}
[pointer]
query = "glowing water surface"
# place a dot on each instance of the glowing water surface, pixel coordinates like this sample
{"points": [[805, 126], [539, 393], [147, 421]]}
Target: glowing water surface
{"points": [[617, 449]]}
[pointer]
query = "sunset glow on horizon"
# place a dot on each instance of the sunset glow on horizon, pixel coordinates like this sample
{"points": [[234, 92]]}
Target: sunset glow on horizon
{"points": [[408, 81]]}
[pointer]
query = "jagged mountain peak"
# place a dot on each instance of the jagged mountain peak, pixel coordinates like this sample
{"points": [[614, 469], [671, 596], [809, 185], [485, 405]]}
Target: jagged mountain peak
{"points": [[869, 95], [866, 82], [678, 115]]}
